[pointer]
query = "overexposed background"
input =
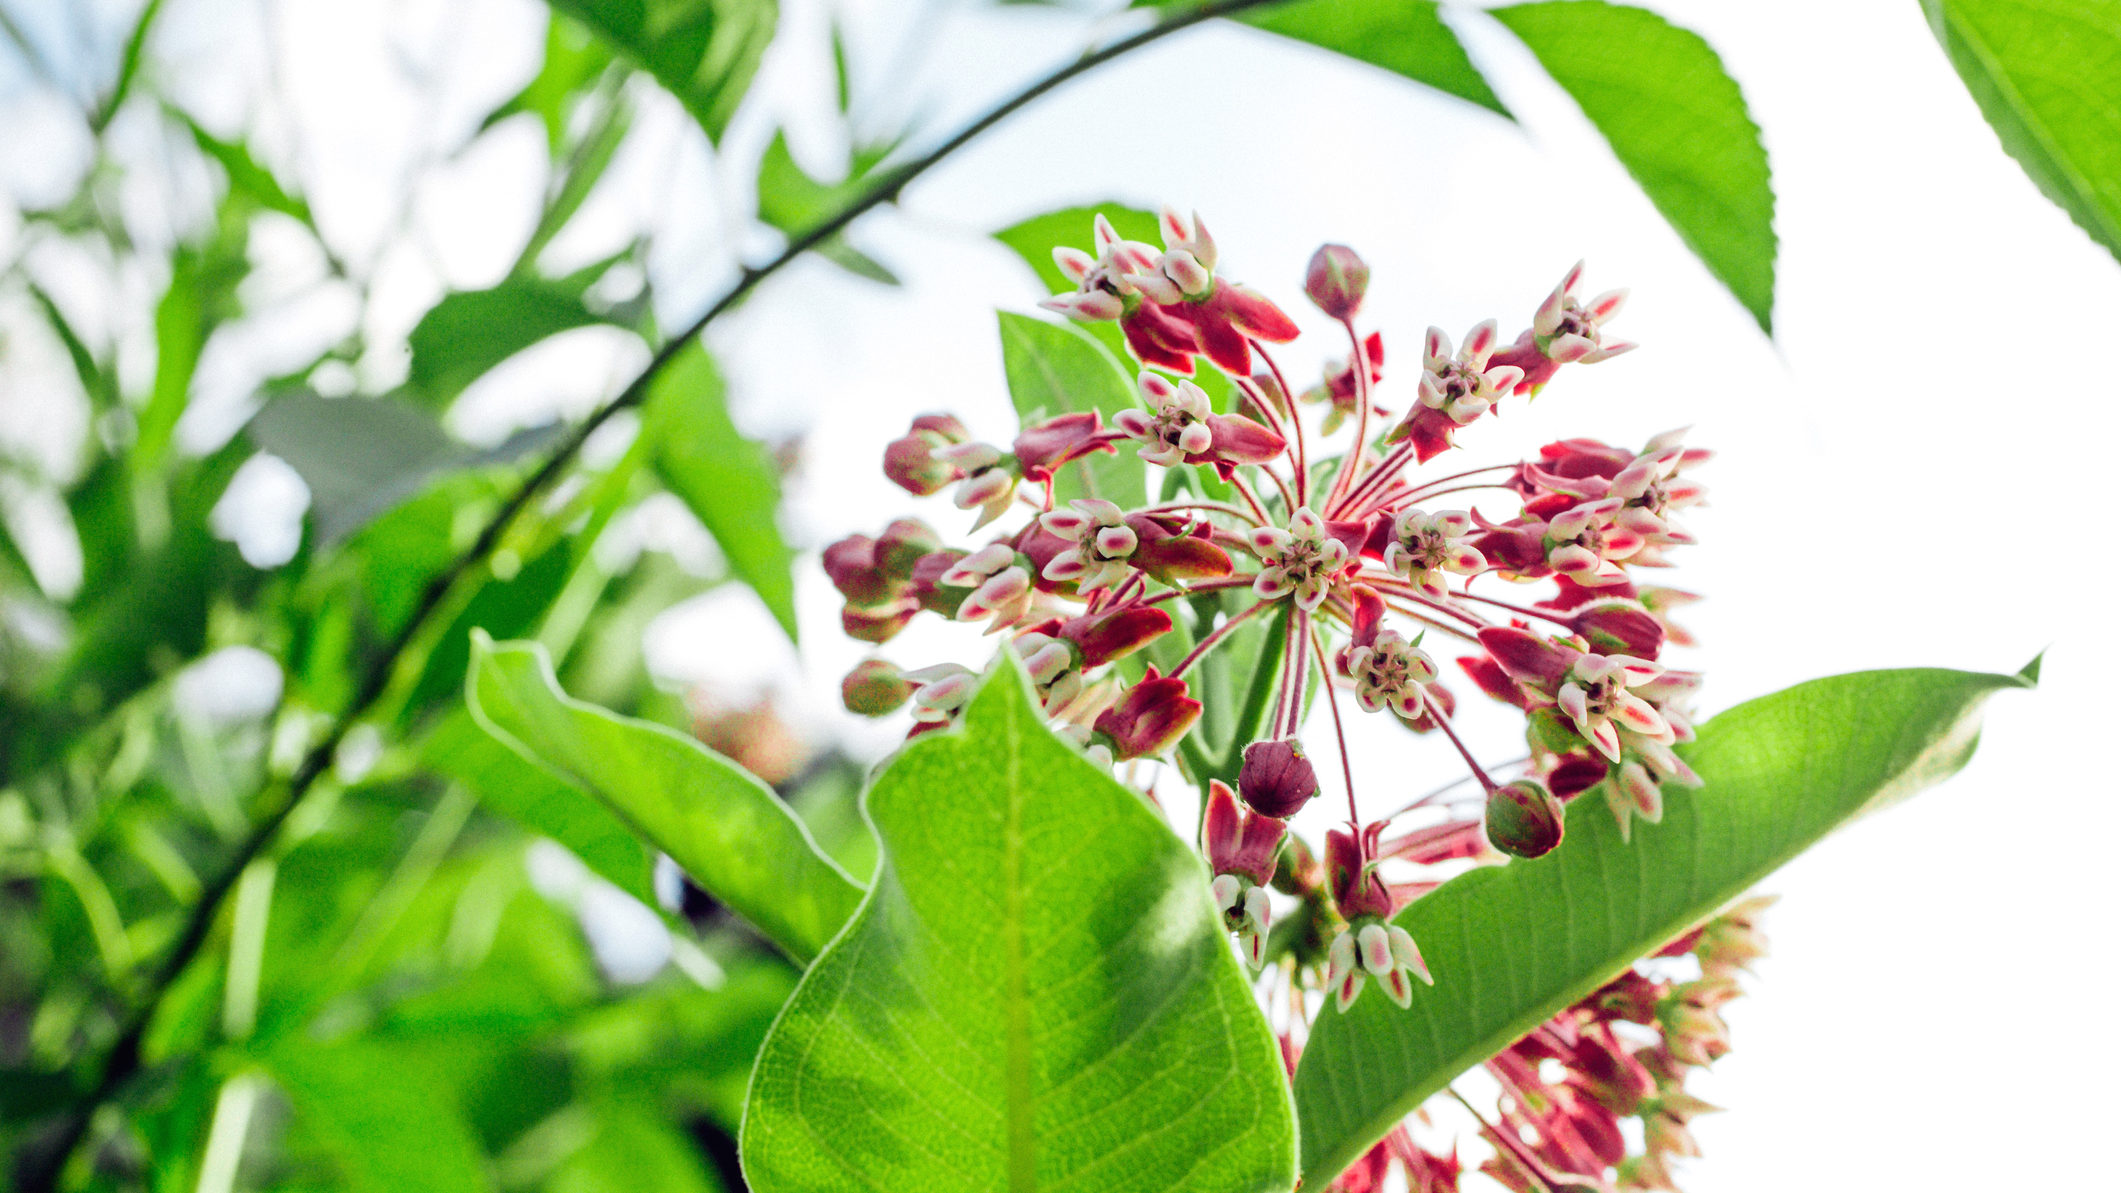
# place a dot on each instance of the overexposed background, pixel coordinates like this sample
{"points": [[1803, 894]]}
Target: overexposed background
{"points": [[1915, 471]]}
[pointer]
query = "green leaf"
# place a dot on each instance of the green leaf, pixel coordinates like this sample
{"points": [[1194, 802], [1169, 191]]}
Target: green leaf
{"points": [[1512, 945], [471, 331], [1037, 994], [541, 801], [2047, 74], [393, 1129], [360, 457], [1677, 122], [731, 483], [723, 826], [1054, 368], [573, 59], [245, 176], [202, 292], [128, 66], [703, 51], [792, 201], [1406, 37]]}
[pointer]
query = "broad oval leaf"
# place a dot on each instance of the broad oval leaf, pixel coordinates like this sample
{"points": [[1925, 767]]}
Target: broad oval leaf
{"points": [[1036, 995], [1679, 124], [471, 331], [1406, 37], [1512, 945], [2047, 74], [731, 483], [1053, 368], [714, 819]]}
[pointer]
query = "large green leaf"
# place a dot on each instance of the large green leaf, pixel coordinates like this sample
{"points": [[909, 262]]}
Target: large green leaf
{"points": [[1406, 37], [703, 51], [2047, 74], [1512, 945], [724, 827], [1037, 995], [731, 483], [1677, 122], [1054, 369]]}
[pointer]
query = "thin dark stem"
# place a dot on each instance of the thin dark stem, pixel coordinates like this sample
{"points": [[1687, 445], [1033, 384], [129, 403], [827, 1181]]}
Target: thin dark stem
{"points": [[40, 1173], [1351, 464], [1301, 456], [1216, 635]]}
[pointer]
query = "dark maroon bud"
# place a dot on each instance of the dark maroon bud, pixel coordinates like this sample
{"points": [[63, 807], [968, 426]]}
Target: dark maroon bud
{"points": [[1617, 628], [1526, 657], [1276, 778], [902, 544], [874, 688], [1491, 678], [1524, 819], [1577, 774], [1336, 280]]}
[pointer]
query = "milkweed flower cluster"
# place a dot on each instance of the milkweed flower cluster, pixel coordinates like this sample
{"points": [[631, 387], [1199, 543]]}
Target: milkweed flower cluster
{"points": [[1324, 575]]}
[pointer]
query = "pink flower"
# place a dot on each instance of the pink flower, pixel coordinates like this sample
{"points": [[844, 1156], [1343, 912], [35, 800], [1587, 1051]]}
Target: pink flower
{"points": [[1389, 673], [1101, 544], [1424, 546], [1303, 560], [1242, 847], [1150, 718], [1596, 695]]}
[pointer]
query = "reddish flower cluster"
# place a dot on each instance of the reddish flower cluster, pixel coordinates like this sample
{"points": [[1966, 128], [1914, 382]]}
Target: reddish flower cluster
{"points": [[1355, 560]]}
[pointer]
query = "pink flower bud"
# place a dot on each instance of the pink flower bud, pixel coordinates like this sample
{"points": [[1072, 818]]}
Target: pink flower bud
{"points": [[874, 688], [1045, 446], [876, 626], [1108, 636], [901, 546], [1524, 819], [1170, 550], [1150, 718], [1239, 440], [1336, 280], [1357, 890], [1618, 628], [1526, 657], [852, 564], [1368, 614], [928, 587], [1240, 842], [1276, 778]]}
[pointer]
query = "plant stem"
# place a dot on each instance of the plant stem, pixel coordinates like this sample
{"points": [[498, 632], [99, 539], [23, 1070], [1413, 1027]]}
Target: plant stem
{"points": [[40, 1173]]}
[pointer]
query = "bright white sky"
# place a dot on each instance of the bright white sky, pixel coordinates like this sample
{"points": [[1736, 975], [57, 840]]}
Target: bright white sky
{"points": [[1910, 474]]}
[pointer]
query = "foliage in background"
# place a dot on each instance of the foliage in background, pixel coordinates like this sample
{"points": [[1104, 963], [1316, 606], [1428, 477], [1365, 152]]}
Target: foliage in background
{"points": [[395, 989]]}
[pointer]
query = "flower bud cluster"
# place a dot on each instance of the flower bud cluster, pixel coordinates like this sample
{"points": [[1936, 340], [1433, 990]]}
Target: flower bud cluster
{"points": [[1366, 568]]}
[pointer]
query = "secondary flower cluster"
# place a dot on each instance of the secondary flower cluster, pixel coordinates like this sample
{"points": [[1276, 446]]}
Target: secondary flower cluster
{"points": [[1307, 575]]}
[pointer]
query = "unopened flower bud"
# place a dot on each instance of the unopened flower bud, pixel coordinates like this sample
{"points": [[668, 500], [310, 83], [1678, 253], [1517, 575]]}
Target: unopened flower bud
{"points": [[1276, 778], [1524, 819], [1336, 280], [879, 625], [1150, 718], [851, 563], [902, 544], [1620, 628], [874, 688]]}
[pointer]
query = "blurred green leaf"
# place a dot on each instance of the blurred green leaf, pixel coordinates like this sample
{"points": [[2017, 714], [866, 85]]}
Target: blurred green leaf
{"points": [[1038, 994], [471, 331], [128, 66], [732, 484], [1406, 37], [1678, 123], [1511, 945], [541, 801], [245, 175], [2047, 74], [792, 201], [363, 456], [1054, 368], [633, 1149], [719, 823], [572, 61], [704, 51], [202, 292], [393, 1130]]}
